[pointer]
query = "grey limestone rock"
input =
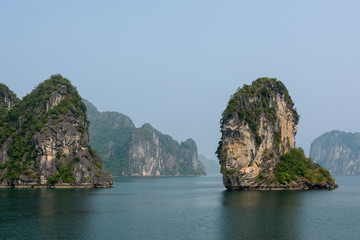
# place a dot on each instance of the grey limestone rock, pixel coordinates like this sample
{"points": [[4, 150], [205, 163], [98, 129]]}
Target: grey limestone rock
{"points": [[48, 141], [337, 151], [128, 151]]}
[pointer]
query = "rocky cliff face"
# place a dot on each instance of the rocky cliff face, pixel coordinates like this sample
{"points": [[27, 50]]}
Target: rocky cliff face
{"points": [[155, 154], [45, 141], [128, 151], [337, 151], [258, 126], [7, 98]]}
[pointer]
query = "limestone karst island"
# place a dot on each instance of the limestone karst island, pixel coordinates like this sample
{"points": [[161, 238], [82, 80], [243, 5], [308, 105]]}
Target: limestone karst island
{"points": [[44, 139], [337, 151], [128, 151], [257, 148]]}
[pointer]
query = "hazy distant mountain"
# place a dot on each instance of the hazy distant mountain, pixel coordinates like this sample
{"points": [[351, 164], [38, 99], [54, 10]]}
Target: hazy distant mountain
{"points": [[211, 166], [337, 151], [130, 151]]}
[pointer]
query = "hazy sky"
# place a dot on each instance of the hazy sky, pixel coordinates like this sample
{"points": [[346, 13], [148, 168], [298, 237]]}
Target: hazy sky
{"points": [[175, 64]]}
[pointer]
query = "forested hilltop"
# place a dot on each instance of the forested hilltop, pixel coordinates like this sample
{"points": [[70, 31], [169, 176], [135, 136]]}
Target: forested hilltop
{"points": [[44, 139], [129, 151]]}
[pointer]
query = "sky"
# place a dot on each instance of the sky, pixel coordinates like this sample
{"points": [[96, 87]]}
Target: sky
{"points": [[175, 64]]}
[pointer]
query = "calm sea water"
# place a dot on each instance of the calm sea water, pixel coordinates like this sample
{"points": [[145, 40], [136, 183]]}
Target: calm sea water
{"points": [[180, 208]]}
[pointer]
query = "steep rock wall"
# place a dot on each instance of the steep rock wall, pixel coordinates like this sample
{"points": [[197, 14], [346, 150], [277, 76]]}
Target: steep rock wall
{"points": [[128, 151], [154, 154], [258, 126], [46, 143], [337, 151]]}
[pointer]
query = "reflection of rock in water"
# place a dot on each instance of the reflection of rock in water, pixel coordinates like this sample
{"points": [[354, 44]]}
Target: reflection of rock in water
{"points": [[59, 208], [47, 213], [260, 215]]}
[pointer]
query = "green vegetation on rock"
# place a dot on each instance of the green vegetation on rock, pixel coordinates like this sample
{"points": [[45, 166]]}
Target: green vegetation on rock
{"points": [[127, 150], [37, 131], [64, 174], [7, 97], [258, 127], [110, 135], [294, 166], [261, 90], [251, 102], [29, 116]]}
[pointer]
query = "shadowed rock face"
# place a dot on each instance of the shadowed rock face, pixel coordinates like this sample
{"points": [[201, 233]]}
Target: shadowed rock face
{"points": [[258, 126], [337, 151], [47, 141]]}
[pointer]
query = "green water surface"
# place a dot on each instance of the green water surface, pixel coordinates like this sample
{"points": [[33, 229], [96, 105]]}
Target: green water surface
{"points": [[180, 208]]}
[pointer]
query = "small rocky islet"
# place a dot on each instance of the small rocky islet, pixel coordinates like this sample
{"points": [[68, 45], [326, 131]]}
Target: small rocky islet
{"points": [[44, 139], [257, 147]]}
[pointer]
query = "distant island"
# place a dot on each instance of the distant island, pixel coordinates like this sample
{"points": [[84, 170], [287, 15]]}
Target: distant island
{"points": [[338, 151], [44, 139], [128, 151], [211, 166], [257, 148]]}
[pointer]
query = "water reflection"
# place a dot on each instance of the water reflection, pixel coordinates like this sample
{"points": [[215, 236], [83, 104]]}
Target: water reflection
{"points": [[179, 208], [44, 213], [260, 215]]}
